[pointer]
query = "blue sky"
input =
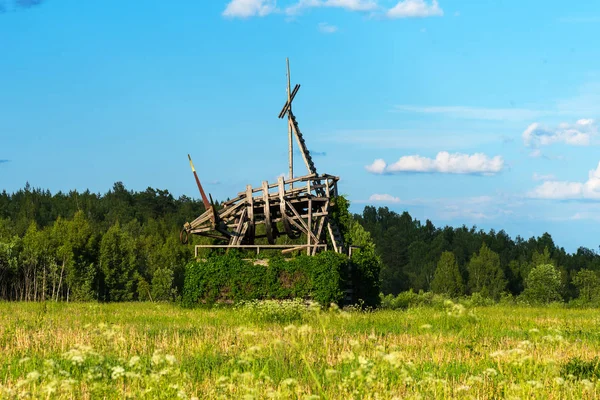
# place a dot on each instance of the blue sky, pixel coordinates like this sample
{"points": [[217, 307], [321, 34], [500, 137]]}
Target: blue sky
{"points": [[477, 113]]}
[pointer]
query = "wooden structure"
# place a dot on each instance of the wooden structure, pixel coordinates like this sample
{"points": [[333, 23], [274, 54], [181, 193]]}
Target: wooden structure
{"points": [[295, 207]]}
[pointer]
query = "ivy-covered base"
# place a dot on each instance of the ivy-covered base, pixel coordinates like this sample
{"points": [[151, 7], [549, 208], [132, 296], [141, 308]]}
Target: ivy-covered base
{"points": [[322, 278]]}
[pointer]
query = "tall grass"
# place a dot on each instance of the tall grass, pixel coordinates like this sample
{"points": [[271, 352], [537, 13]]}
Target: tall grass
{"points": [[293, 351]]}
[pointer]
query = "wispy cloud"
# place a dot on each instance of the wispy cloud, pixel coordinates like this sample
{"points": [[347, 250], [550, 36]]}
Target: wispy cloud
{"points": [[423, 138], [580, 133], [18, 4], [324, 27], [540, 177], [402, 9], [249, 8], [566, 190], [350, 5], [415, 8], [444, 162], [384, 198], [464, 209], [479, 113]]}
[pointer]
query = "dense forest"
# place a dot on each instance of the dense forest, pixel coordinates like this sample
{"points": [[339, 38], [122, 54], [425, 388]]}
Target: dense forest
{"points": [[124, 245]]}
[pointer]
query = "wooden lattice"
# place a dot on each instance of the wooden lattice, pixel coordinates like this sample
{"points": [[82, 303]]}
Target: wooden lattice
{"points": [[291, 207]]}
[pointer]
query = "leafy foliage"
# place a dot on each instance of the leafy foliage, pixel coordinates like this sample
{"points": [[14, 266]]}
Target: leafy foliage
{"points": [[447, 279], [229, 278], [543, 285], [582, 369], [485, 275], [587, 283]]}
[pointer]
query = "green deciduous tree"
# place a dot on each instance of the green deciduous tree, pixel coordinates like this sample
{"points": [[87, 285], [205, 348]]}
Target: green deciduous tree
{"points": [[117, 262], [587, 283], [543, 284]]}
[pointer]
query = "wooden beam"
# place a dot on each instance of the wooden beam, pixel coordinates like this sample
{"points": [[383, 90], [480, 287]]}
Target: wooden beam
{"points": [[302, 222], [286, 107], [267, 213], [322, 221], [309, 218]]}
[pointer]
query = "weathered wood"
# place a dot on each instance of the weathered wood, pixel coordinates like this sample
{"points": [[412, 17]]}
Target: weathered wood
{"points": [[290, 140], [236, 238], [309, 222], [284, 218], [301, 209], [322, 221], [285, 108], [250, 207], [267, 213], [302, 222], [333, 238]]}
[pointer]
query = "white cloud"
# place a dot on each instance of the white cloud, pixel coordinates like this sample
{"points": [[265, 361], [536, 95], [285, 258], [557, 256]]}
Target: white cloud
{"points": [[351, 5], [444, 162], [249, 8], [564, 190], [378, 166], [384, 198], [324, 27], [403, 9], [415, 8], [580, 133], [480, 113]]}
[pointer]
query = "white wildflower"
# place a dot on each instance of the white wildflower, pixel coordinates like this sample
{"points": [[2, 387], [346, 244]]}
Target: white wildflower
{"points": [[170, 359], [33, 376], [117, 372], [559, 381], [134, 361]]}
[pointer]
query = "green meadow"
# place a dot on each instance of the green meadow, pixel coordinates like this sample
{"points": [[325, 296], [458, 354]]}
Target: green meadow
{"points": [[293, 351]]}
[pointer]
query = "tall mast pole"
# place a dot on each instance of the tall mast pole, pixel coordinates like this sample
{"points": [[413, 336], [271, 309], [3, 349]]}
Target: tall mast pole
{"points": [[290, 122]]}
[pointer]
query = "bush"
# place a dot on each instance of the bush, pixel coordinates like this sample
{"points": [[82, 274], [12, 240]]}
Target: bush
{"points": [[410, 299], [581, 369], [542, 285], [365, 277], [478, 300]]}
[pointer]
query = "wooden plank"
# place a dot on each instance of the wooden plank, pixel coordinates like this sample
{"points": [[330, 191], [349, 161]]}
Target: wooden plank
{"points": [[309, 219], [250, 203], [294, 249], [302, 222], [284, 218], [286, 106], [235, 238], [332, 236], [325, 209], [267, 213], [252, 246]]}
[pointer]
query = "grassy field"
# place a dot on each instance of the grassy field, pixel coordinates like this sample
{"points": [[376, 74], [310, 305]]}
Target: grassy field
{"points": [[145, 350]]}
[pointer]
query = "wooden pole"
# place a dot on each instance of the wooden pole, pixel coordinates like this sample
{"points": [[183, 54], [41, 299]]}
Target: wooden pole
{"points": [[290, 143], [310, 224]]}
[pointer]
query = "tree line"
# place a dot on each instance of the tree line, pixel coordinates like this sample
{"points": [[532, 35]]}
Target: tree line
{"points": [[462, 261], [120, 246], [124, 245]]}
